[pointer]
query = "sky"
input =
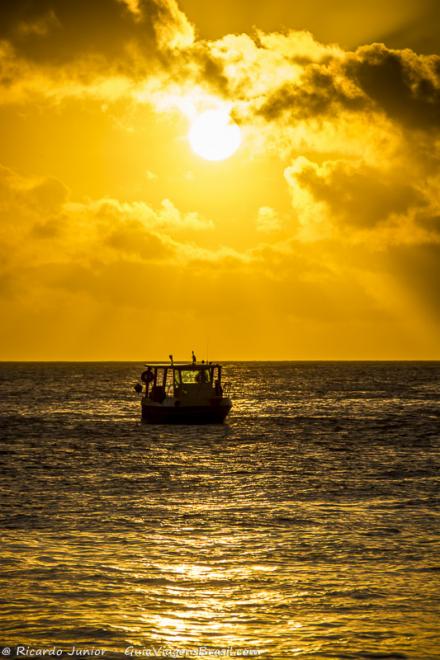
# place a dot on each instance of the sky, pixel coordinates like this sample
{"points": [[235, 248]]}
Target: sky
{"points": [[317, 238]]}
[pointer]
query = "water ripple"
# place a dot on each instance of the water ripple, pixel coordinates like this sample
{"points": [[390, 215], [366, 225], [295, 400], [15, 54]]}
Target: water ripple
{"points": [[307, 526]]}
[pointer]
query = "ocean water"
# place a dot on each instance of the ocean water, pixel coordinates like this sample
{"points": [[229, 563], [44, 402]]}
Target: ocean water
{"points": [[305, 527]]}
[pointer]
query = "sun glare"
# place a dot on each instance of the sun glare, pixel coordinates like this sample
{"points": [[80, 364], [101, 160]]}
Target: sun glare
{"points": [[214, 136]]}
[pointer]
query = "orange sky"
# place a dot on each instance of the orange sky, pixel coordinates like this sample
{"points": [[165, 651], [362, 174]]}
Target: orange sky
{"points": [[318, 238]]}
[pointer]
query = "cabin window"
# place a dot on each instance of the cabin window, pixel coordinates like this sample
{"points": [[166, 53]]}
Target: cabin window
{"points": [[195, 376]]}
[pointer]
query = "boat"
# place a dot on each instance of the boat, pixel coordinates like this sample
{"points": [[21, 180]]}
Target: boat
{"points": [[183, 393]]}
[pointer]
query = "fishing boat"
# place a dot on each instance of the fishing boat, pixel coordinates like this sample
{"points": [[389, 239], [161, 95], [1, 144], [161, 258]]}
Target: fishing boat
{"points": [[183, 393]]}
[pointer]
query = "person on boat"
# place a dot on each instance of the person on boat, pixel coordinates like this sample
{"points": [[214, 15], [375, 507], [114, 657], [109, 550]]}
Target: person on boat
{"points": [[202, 377], [147, 376], [218, 388]]}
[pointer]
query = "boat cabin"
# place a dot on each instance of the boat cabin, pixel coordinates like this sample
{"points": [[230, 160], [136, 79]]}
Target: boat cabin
{"points": [[182, 380]]}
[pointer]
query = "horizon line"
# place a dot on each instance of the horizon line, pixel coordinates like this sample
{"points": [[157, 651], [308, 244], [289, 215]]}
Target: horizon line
{"points": [[225, 360]]}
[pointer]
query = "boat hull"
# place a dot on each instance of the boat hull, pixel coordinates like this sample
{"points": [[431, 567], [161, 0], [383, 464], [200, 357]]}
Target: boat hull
{"points": [[214, 413]]}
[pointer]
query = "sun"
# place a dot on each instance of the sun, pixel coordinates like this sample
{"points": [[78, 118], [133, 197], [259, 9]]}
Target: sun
{"points": [[214, 136]]}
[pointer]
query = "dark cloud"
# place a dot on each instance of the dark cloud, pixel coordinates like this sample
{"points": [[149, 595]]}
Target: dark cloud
{"points": [[51, 31], [405, 86], [210, 70], [317, 93], [402, 85], [55, 31], [359, 195], [198, 64]]}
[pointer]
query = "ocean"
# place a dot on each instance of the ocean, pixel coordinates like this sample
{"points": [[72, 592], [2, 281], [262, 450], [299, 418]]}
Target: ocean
{"points": [[304, 527]]}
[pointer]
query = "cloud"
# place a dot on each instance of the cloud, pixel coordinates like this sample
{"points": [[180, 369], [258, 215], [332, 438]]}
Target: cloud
{"points": [[376, 204], [405, 86], [167, 217], [105, 49], [402, 85], [28, 201], [44, 230], [317, 93], [267, 219], [50, 31]]}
